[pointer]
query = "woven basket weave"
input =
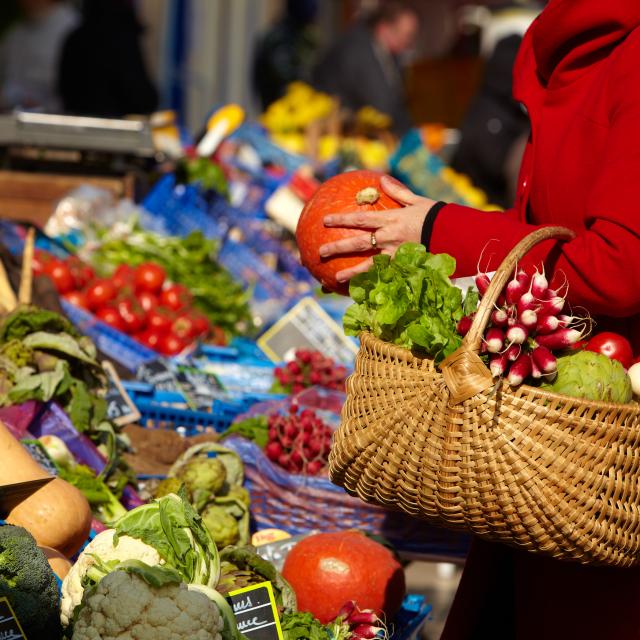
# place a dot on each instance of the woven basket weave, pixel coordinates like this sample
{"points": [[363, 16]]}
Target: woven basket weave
{"points": [[525, 467]]}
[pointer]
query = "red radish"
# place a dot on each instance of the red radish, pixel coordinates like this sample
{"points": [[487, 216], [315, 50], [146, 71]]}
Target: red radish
{"points": [[367, 631], [464, 324], [544, 359], [529, 319], [328, 569], [526, 302], [523, 278], [501, 300], [315, 467], [482, 281], [520, 369], [517, 334], [363, 617], [547, 324], [498, 364], [494, 339], [535, 371], [514, 291], [551, 307], [513, 352], [539, 285], [499, 318], [560, 339]]}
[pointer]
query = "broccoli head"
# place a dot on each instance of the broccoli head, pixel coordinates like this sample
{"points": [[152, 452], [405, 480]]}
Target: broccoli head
{"points": [[28, 582]]}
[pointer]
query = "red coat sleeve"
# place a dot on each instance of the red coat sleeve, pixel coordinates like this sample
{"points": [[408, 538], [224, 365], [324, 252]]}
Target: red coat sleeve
{"points": [[602, 264]]}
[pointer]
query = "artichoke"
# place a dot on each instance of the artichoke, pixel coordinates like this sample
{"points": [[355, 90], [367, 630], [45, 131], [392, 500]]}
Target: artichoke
{"points": [[240, 494], [592, 376], [167, 486], [203, 474], [222, 526], [242, 566]]}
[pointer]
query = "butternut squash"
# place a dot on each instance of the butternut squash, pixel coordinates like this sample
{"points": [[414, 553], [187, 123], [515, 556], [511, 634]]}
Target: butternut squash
{"points": [[57, 515], [59, 564]]}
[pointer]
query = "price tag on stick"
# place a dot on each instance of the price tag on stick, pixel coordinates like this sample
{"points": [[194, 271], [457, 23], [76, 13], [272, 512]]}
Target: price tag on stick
{"points": [[307, 326], [120, 407], [10, 628], [256, 612]]}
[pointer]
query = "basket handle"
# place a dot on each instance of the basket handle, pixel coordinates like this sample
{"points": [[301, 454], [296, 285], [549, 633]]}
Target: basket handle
{"points": [[464, 372]]}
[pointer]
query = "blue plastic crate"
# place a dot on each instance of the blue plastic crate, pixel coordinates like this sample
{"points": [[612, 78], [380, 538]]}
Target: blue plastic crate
{"points": [[113, 343], [411, 617], [155, 415], [178, 210]]}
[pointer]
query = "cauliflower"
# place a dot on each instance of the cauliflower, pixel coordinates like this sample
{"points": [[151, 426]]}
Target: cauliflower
{"points": [[125, 607], [101, 547]]}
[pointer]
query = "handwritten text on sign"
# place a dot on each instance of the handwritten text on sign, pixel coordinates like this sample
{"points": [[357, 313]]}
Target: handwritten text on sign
{"points": [[10, 628], [256, 613]]}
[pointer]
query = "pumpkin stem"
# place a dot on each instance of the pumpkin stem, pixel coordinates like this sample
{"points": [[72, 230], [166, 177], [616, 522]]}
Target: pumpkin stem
{"points": [[368, 195]]}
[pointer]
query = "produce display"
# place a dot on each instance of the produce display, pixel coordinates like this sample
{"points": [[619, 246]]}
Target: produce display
{"points": [[153, 526]]}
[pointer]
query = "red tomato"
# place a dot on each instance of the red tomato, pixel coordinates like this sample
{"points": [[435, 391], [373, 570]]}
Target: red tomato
{"points": [[132, 314], [76, 298], [175, 297], [122, 277], [110, 316], [171, 345], [201, 324], [40, 260], [149, 277], [150, 338], [159, 319], [148, 301], [184, 327], [99, 293], [61, 276], [613, 346], [82, 273]]}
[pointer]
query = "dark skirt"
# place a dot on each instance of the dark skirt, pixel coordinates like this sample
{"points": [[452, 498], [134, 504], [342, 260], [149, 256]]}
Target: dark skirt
{"points": [[508, 594]]}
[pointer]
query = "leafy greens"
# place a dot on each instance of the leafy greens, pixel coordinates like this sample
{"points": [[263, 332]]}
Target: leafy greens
{"points": [[410, 301]]}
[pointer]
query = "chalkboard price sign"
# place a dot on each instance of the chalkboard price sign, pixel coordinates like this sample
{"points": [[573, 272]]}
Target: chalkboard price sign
{"points": [[256, 612], [307, 326], [120, 407], [159, 374], [10, 628]]}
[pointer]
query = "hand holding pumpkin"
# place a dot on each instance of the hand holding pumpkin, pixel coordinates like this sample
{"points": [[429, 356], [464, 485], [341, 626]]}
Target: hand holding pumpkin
{"points": [[392, 227]]}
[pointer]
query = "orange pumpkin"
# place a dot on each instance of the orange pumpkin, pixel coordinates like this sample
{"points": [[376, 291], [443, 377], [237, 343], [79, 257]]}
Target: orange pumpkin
{"points": [[345, 193]]}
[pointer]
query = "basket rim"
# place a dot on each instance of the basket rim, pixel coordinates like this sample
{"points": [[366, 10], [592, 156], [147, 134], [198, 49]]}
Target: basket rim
{"points": [[410, 356]]}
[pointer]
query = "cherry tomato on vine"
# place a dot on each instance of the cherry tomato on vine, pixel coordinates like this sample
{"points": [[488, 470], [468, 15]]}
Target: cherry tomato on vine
{"points": [[149, 277], [613, 346]]}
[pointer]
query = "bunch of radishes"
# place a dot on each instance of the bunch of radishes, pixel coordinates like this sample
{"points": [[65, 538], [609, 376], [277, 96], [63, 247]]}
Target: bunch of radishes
{"points": [[308, 369], [299, 442], [527, 326], [357, 624]]}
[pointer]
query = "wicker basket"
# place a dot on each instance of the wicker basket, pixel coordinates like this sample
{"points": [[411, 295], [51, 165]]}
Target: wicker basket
{"points": [[536, 470]]}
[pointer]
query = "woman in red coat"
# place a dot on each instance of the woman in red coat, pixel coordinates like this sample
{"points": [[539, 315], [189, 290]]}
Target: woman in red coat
{"points": [[578, 76]]}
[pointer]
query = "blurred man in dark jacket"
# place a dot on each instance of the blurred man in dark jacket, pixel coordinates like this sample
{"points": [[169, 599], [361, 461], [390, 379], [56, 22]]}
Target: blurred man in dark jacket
{"points": [[102, 71], [364, 66]]}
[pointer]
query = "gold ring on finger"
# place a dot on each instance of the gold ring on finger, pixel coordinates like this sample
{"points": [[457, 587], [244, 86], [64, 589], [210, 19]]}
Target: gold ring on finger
{"points": [[374, 242]]}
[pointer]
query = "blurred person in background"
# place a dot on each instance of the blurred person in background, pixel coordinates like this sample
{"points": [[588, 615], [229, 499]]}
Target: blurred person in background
{"points": [[286, 52], [102, 71], [495, 128], [30, 52], [364, 68]]}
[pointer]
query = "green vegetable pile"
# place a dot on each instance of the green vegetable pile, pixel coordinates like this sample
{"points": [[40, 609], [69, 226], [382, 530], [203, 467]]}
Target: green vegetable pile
{"points": [[409, 300], [43, 358], [188, 261], [212, 478], [204, 172]]}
